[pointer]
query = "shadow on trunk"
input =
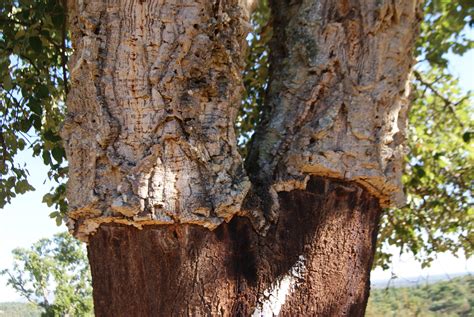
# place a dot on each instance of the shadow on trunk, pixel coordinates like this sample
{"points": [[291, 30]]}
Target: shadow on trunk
{"points": [[320, 250]]}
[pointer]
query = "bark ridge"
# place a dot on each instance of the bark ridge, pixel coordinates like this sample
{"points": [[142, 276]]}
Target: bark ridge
{"points": [[156, 87]]}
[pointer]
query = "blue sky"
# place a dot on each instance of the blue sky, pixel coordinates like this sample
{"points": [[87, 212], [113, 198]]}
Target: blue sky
{"points": [[26, 219]]}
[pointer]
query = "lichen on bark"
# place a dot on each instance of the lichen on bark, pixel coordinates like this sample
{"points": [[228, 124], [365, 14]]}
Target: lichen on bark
{"points": [[338, 96], [149, 132]]}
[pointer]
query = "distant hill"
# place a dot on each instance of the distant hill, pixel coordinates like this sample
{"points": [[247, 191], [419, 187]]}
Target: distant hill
{"points": [[19, 310], [446, 298], [416, 281]]}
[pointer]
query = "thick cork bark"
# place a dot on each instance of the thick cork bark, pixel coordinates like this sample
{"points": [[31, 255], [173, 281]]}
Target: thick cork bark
{"points": [[338, 96], [149, 135], [315, 262]]}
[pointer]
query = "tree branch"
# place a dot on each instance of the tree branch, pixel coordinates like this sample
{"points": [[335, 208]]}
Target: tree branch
{"points": [[20, 287], [448, 103]]}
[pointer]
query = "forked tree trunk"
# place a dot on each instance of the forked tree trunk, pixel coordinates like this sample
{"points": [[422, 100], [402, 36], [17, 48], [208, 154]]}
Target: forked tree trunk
{"points": [[175, 225]]}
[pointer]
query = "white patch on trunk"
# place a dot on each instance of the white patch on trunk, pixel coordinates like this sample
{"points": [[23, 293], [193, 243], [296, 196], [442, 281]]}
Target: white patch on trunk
{"points": [[273, 298]]}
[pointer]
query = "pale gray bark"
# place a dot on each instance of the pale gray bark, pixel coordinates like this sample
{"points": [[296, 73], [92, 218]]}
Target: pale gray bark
{"points": [[338, 96], [149, 135]]}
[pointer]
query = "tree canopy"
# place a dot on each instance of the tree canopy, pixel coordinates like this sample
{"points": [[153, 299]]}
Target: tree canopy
{"points": [[439, 214], [54, 275], [443, 298]]}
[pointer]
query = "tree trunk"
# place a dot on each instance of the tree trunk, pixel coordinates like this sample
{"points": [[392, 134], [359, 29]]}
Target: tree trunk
{"points": [[175, 225], [315, 262]]}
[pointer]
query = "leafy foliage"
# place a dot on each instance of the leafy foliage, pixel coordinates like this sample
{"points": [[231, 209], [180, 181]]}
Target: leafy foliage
{"points": [[447, 298], [438, 175], [255, 75], [53, 274], [443, 30], [33, 83], [439, 216]]}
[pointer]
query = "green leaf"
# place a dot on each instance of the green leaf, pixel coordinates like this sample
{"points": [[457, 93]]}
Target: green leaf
{"points": [[42, 91], [35, 106], [35, 43], [21, 144], [58, 19], [51, 136], [46, 157], [23, 186], [48, 199], [7, 82], [420, 172], [25, 125], [467, 136], [36, 120], [58, 154]]}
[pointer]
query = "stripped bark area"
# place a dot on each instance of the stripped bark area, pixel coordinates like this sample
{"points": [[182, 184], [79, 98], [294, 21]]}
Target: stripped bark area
{"points": [[338, 96], [315, 262], [156, 87]]}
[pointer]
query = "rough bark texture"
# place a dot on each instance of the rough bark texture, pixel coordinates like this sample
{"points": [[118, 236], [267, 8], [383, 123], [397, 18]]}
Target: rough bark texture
{"points": [[155, 88], [150, 142], [155, 92], [338, 96], [314, 262]]}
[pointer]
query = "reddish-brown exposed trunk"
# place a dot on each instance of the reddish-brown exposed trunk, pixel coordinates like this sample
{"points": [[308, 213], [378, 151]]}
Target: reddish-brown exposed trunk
{"points": [[314, 262]]}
